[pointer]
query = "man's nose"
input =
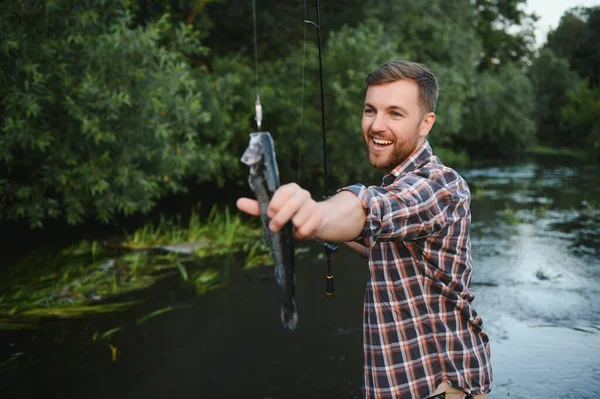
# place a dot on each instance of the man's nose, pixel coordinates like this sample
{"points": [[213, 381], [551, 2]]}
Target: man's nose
{"points": [[378, 124]]}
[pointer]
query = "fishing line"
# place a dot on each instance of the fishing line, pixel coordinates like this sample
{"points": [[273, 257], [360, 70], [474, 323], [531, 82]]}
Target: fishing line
{"points": [[257, 104], [301, 139]]}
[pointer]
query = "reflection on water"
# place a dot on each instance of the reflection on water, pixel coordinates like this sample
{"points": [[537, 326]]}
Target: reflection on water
{"points": [[536, 236], [536, 249]]}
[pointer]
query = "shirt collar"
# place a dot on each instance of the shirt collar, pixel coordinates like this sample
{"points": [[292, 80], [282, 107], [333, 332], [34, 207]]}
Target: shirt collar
{"points": [[411, 163]]}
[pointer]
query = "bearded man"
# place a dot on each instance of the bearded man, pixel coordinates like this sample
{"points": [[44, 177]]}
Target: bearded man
{"points": [[422, 338]]}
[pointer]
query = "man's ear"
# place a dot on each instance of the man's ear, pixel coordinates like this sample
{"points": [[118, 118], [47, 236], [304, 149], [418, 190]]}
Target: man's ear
{"points": [[426, 124]]}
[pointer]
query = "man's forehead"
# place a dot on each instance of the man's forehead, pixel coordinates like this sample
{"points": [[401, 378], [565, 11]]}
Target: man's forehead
{"points": [[403, 93]]}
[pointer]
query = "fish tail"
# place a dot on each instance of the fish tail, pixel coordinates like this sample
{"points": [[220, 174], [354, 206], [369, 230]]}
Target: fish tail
{"points": [[289, 314]]}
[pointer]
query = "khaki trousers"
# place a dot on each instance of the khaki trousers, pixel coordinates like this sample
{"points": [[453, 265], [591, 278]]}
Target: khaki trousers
{"points": [[453, 393]]}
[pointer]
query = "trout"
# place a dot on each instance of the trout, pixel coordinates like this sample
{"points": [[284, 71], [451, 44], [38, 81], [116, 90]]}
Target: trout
{"points": [[264, 180]]}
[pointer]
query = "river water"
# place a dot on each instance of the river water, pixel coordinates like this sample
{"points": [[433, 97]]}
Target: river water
{"points": [[536, 278]]}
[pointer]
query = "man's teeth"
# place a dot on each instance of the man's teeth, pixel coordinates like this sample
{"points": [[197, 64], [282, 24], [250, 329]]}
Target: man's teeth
{"points": [[382, 142]]}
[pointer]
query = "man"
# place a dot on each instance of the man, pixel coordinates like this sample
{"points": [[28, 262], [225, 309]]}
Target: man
{"points": [[422, 337]]}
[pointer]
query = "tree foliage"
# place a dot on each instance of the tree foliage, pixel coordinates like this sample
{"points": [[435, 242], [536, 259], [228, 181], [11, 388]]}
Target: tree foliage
{"points": [[551, 79], [566, 79], [495, 22], [580, 117], [576, 39], [499, 117], [109, 105], [98, 118]]}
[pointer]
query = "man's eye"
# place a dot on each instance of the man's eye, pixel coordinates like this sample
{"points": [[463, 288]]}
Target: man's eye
{"points": [[369, 111], [396, 114]]}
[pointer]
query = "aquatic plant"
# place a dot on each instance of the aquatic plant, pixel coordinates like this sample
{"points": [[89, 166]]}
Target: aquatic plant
{"points": [[477, 190], [218, 234], [542, 210], [510, 216], [207, 280], [77, 281]]}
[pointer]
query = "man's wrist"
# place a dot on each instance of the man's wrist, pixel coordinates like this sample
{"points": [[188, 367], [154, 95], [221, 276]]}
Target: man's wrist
{"points": [[342, 218], [321, 207]]}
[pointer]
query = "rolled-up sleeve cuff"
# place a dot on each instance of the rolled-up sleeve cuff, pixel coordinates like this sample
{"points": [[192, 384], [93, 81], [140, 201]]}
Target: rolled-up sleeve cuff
{"points": [[372, 227]]}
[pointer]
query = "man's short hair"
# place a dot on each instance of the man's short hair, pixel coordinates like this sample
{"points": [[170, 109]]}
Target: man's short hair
{"points": [[398, 69]]}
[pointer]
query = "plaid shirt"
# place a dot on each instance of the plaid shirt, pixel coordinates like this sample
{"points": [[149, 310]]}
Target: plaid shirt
{"points": [[419, 327]]}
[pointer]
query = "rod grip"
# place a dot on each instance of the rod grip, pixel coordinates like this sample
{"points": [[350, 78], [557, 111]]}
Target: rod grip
{"points": [[329, 289]]}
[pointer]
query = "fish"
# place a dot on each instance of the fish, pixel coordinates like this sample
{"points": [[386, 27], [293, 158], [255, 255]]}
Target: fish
{"points": [[264, 181]]}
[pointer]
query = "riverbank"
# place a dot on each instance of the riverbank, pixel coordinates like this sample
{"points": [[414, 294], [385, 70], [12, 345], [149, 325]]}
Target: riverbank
{"points": [[577, 154], [89, 277]]}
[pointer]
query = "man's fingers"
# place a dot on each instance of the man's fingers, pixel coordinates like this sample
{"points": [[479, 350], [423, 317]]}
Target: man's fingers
{"points": [[290, 208], [304, 213], [280, 197], [307, 229], [289, 202], [249, 206], [284, 214]]}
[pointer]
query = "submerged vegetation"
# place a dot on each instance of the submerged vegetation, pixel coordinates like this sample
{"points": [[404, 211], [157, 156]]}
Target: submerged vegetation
{"points": [[83, 278]]}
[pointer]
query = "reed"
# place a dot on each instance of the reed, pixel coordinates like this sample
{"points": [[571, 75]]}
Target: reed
{"points": [[76, 281]]}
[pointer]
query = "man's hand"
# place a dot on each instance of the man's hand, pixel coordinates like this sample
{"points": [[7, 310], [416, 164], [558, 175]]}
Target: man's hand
{"points": [[290, 202], [340, 218]]}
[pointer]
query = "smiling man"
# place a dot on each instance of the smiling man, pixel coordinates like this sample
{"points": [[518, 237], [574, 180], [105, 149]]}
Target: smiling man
{"points": [[422, 336]]}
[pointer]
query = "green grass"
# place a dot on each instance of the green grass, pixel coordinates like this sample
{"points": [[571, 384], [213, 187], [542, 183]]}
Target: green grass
{"points": [[220, 229], [568, 152], [74, 282]]}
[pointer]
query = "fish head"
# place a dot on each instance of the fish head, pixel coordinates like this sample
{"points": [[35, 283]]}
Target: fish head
{"points": [[254, 153], [261, 151]]}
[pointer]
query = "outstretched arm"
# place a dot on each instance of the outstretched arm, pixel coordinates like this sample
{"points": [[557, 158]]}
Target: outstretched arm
{"points": [[359, 248], [340, 218]]}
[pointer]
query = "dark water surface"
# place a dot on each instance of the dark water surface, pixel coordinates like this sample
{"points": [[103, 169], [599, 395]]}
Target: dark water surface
{"points": [[536, 250]]}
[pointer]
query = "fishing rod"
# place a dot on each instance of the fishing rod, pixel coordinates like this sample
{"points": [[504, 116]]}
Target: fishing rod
{"points": [[329, 248]]}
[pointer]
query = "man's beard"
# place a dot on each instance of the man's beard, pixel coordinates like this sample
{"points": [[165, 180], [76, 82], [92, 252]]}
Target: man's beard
{"points": [[399, 154]]}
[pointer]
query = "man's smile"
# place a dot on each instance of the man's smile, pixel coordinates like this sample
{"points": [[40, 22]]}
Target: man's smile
{"points": [[380, 144]]}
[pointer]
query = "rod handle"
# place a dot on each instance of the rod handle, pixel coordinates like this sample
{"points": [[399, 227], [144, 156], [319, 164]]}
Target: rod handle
{"points": [[329, 289]]}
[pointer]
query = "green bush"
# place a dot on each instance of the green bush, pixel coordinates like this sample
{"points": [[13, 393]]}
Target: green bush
{"points": [[98, 118]]}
